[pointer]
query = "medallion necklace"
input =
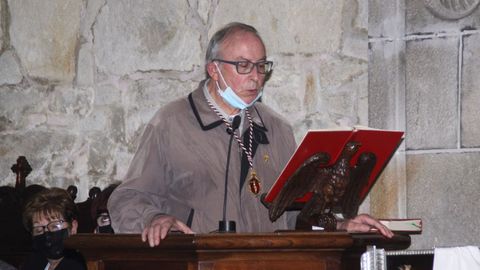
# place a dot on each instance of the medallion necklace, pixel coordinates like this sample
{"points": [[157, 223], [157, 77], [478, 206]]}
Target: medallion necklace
{"points": [[253, 182]]}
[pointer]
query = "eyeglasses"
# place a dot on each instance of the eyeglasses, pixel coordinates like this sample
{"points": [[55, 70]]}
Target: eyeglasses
{"points": [[53, 226], [245, 66]]}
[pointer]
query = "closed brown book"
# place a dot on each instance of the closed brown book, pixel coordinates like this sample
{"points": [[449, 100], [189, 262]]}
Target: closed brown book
{"points": [[407, 225]]}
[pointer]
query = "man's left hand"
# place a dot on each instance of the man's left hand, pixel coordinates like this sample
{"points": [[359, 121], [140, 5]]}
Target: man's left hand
{"points": [[364, 223]]}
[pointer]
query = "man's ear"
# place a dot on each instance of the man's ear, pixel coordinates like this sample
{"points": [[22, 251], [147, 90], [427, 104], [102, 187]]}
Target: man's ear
{"points": [[212, 71], [74, 228]]}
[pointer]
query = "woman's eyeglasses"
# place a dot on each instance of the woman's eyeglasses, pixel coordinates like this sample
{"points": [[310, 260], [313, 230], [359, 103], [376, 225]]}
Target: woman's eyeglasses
{"points": [[53, 226]]}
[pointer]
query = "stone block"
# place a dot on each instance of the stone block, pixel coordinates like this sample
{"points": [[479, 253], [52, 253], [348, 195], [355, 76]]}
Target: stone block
{"points": [[385, 18], [344, 103], [3, 25], [335, 71], [443, 190], [388, 195], [203, 8], [107, 94], [123, 157], [96, 121], [135, 36], [145, 97], [355, 31], [100, 156], [360, 20], [18, 103], [92, 9], [310, 26], [116, 127], [431, 93], [70, 101], [41, 148], [310, 91], [344, 86], [9, 69], [470, 126], [362, 100], [386, 85], [45, 37], [107, 120], [58, 121], [421, 18], [355, 45], [85, 75], [285, 90]]}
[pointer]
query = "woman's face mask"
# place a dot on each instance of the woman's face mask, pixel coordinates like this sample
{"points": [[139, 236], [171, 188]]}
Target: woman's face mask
{"points": [[50, 244]]}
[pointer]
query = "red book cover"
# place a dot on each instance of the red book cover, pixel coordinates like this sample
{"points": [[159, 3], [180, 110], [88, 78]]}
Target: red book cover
{"points": [[383, 143]]}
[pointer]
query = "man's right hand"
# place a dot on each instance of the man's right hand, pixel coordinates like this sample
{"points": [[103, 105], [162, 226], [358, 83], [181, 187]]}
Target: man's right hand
{"points": [[159, 227]]}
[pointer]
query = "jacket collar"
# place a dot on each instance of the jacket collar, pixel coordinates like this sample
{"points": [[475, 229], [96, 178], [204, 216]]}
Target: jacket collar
{"points": [[207, 119]]}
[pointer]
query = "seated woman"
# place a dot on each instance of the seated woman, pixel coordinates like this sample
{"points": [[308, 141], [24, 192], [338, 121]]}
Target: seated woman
{"points": [[51, 216]]}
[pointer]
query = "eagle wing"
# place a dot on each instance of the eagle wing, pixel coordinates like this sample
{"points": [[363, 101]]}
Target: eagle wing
{"points": [[301, 182], [360, 177]]}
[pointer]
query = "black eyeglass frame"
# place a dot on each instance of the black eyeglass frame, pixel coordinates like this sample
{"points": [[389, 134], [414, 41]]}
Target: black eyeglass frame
{"points": [[58, 225], [251, 65]]}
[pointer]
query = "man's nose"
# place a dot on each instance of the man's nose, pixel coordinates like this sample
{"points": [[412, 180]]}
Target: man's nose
{"points": [[254, 74]]}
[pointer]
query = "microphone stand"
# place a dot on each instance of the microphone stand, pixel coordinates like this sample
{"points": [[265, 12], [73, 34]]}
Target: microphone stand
{"points": [[223, 225]]}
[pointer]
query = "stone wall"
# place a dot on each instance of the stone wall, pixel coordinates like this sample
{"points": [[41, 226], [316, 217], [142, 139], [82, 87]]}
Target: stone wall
{"points": [[423, 78], [80, 79]]}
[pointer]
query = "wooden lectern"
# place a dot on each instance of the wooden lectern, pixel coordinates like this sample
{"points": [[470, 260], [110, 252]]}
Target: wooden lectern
{"points": [[279, 250]]}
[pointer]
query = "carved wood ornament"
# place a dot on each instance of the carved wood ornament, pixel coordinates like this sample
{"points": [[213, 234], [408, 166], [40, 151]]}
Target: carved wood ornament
{"points": [[451, 9], [21, 169], [335, 189]]}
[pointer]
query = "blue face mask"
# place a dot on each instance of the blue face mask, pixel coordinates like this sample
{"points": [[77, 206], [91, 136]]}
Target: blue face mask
{"points": [[231, 98]]}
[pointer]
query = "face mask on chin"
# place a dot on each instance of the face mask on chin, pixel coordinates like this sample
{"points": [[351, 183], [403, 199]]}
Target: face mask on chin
{"points": [[105, 229], [230, 97], [103, 222], [50, 244]]}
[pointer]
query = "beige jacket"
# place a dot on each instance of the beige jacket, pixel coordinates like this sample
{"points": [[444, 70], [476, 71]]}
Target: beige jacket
{"points": [[179, 170]]}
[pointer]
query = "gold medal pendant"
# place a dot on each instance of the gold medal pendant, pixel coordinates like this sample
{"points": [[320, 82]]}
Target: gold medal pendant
{"points": [[254, 183]]}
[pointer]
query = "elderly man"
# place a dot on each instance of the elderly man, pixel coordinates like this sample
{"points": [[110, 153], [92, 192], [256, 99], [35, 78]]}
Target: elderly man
{"points": [[183, 176]]}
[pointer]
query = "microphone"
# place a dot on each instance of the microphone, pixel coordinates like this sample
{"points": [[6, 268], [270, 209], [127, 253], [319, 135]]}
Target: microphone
{"points": [[235, 124], [223, 225]]}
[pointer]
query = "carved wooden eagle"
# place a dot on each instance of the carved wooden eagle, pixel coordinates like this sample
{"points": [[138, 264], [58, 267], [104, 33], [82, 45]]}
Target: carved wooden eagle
{"points": [[328, 185]]}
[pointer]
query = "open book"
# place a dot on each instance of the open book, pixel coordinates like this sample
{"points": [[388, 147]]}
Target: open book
{"points": [[382, 143]]}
